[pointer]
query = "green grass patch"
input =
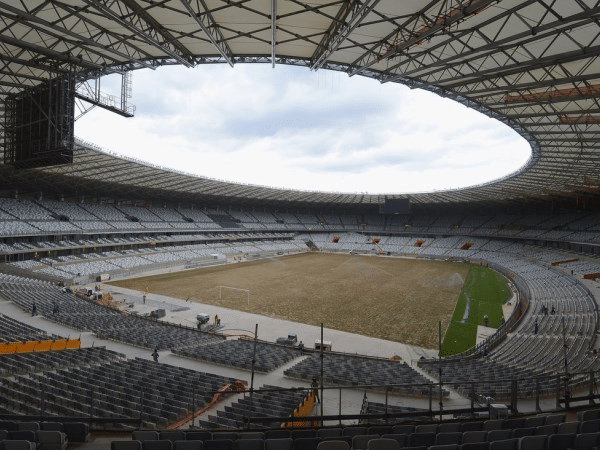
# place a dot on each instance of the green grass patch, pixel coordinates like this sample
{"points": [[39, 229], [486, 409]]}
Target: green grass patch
{"points": [[483, 294]]}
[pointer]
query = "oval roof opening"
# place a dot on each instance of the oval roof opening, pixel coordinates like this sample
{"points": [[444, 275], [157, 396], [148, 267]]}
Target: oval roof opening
{"points": [[292, 128]]}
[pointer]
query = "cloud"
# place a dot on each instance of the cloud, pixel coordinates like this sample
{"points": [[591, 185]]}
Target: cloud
{"points": [[292, 128]]}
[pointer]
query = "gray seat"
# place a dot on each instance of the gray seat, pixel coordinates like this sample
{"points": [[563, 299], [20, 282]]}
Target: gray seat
{"points": [[505, 444], [329, 432], [18, 445], [474, 436], [354, 431], [383, 444], [279, 444], [403, 429], [253, 435], [475, 446], [157, 445], [51, 440], [449, 427], [586, 440], [495, 424], [145, 435], [568, 428], [532, 443], [333, 445], [224, 435], [250, 444], [361, 441], [172, 435], [28, 426], [122, 445], [426, 428], [561, 441], [499, 435], [445, 447], [188, 445], [448, 438], [554, 419]]}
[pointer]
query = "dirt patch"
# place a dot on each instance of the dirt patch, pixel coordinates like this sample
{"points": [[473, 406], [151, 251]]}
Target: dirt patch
{"points": [[389, 298]]}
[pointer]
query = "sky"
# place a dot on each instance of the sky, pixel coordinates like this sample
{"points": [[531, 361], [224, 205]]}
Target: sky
{"points": [[289, 127]]}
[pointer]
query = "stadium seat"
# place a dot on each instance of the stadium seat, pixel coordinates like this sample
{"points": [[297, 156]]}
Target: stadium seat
{"points": [[444, 447], [279, 443], [568, 428], [145, 435], [448, 438], [384, 444], [474, 436], [329, 432], [18, 445], [561, 441], [198, 435], [354, 431], [252, 435], [449, 428], [333, 445], [188, 445], [250, 444], [586, 441], [172, 435], [220, 444], [306, 443], [151, 444], [472, 426], [361, 442], [421, 439], [218, 435], [499, 435], [277, 434], [296, 434], [590, 426], [475, 446], [124, 445], [532, 443], [51, 440], [505, 444], [77, 431]]}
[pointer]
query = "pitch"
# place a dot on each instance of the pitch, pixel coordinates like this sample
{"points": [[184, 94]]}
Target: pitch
{"points": [[389, 298]]}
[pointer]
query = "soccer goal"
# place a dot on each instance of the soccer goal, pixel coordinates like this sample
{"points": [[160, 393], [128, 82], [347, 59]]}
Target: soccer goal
{"points": [[241, 291]]}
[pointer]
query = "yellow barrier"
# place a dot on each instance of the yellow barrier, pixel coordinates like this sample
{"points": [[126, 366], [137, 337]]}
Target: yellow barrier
{"points": [[39, 346], [305, 409]]}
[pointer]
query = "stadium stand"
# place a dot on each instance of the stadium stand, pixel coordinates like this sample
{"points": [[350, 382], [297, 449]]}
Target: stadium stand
{"points": [[240, 353], [105, 322], [268, 403], [363, 371]]}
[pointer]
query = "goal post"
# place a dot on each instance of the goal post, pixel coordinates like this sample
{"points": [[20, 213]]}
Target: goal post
{"points": [[247, 291]]}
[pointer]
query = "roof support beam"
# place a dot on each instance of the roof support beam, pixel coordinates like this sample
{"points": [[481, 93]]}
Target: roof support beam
{"points": [[412, 33], [32, 19], [273, 31], [142, 29], [210, 28], [65, 58], [340, 29]]}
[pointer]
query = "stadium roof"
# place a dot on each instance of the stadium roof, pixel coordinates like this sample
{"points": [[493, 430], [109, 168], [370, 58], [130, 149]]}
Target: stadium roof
{"points": [[532, 64]]}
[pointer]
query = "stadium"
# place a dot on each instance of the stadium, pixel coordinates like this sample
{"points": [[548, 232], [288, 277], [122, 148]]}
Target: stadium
{"points": [[77, 223]]}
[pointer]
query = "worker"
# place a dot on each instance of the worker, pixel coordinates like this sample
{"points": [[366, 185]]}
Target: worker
{"points": [[315, 391], [33, 309], [301, 348], [155, 354]]}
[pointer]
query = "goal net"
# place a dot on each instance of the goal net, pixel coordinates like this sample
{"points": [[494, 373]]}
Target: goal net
{"points": [[228, 292]]}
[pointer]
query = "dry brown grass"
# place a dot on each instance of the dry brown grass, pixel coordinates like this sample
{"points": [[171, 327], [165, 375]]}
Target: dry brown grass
{"points": [[388, 298]]}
